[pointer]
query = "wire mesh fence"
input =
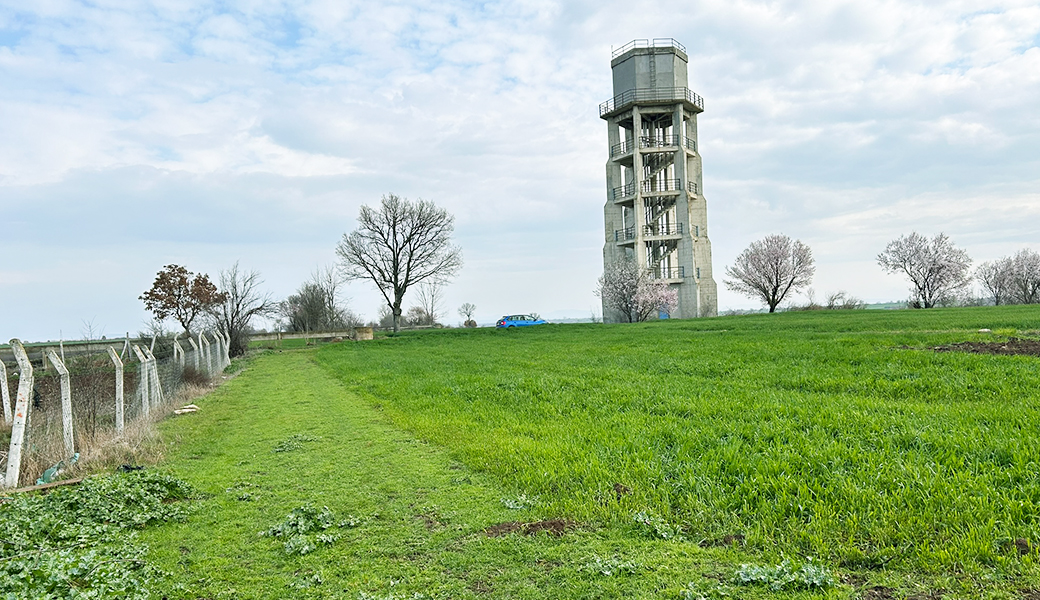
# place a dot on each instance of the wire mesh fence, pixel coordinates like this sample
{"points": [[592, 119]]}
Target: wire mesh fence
{"points": [[62, 399]]}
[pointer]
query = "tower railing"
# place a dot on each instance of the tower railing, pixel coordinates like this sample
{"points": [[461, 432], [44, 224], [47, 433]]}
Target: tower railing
{"points": [[692, 187], [662, 185], [648, 43], [651, 230], [667, 273], [622, 191], [621, 149], [658, 141], [654, 229], [624, 99], [691, 144]]}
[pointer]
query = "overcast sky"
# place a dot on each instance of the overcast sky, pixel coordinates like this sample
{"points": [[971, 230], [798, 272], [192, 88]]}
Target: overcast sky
{"points": [[135, 135]]}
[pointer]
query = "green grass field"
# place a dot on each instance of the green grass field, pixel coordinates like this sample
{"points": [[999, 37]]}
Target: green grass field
{"points": [[832, 436]]}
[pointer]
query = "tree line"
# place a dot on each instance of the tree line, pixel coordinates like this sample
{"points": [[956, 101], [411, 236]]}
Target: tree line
{"points": [[398, 246], [938, 272]]}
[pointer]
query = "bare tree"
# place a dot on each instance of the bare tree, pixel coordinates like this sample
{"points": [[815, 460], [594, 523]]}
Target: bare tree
{"points": [[243, 301], [417, 317], [936, 268], [771, 268], [316, 306], [398, 245], [997, 279], [430, 299], [1025, 279], [842, 300], [629, 292], [466, 312]]}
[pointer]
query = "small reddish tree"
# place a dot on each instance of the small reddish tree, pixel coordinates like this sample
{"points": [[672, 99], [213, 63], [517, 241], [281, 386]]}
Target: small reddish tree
{"points": [[181, 294]]}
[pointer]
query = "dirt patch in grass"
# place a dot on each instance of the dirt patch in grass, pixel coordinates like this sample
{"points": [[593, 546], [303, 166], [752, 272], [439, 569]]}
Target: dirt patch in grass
{"points": [[1013, 346], [556, 527], [736, 539], [878, 592]]}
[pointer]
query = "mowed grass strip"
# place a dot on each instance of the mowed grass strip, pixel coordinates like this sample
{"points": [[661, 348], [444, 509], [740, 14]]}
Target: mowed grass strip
{"points": [[409, 520], [835, 435]]}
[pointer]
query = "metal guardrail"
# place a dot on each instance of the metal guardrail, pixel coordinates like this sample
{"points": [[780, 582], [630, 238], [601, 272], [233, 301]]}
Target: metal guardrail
{"points": [[662, 185], [660, 230], [672, 273], [621, 149], [621, 235], [653, 185], [624, 99], [664, 141], [623, 191], [648, 43], [661, 141]]}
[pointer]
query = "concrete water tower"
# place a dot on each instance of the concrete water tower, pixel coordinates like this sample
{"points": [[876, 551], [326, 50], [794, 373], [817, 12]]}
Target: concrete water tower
{"points": [[655, 213]]}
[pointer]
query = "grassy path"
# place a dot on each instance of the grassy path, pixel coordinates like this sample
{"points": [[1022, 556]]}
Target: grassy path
{"points": [[285, 434]]}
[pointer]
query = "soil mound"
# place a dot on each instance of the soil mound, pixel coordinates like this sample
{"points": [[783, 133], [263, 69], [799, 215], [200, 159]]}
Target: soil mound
{"points": [[1013, 346], [555, 527]]}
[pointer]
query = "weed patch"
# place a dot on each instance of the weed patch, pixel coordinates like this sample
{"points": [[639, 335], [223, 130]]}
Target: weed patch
{"points": [[786, 576], [80, 542], [308, 528], [610, 566], [519, 502], [294, 442]]}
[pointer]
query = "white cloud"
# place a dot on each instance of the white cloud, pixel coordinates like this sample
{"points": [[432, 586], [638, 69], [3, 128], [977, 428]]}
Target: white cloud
{"points": [[266, 124]]}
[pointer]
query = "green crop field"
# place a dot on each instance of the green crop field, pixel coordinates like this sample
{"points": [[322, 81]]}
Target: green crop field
{"points": [[674, 452]]}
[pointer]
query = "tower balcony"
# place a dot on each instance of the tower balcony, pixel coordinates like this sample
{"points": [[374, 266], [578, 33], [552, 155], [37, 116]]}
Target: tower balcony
{"points": [[664, 142], [621, 149], [663, 231], [624, 191], [670, 274], [661, 185], [648, 43], [650, 232], [660, 141], [651, 96]]}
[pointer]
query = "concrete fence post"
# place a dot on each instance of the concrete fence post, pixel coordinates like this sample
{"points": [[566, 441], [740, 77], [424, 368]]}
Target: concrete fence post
{"points": [[227, 349], [206, 358], [195, 356], [222, 350], [21, 414], [157, 391], [120, 419], [66, 402], [142, 380], [178, 352], [214, 353], [5, 393]]}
